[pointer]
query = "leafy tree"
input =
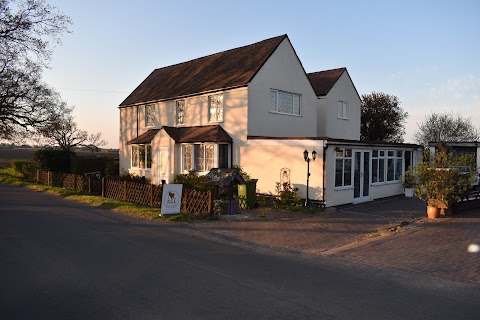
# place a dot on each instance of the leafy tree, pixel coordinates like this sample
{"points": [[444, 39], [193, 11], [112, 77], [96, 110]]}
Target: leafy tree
{"points": [[64, 133], [382, 118], [445, 127], [25, 49]]}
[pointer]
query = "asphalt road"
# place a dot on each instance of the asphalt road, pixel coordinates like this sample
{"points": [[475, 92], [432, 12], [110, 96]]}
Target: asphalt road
{"points": [[63, 260]]}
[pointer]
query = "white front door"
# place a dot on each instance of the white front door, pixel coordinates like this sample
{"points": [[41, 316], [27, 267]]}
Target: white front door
{"points": [[361, 175], [162, 166]]}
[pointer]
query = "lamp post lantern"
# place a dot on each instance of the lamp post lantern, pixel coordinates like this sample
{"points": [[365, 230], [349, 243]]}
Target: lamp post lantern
{"points": [[307, 159]]}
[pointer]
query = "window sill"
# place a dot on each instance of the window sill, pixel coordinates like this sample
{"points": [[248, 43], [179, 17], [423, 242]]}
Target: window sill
{"points": [[285, 114], [344, 188], [342, 118]]}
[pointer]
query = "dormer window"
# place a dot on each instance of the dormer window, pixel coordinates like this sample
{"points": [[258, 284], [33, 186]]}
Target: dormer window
{"points": [[150, 115]]}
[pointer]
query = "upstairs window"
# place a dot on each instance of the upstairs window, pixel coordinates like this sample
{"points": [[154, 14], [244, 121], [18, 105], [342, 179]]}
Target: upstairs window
{"points": [[285, 102], [215, 108], [180, 106], [150, 115], [342, 110]]}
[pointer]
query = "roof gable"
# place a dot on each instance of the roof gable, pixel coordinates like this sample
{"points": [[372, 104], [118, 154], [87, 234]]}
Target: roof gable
{"points": [[323, 81], [228, 69]]}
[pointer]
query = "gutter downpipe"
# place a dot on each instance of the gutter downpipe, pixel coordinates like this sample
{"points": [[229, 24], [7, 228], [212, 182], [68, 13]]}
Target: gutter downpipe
{"points": [[325, 147]]}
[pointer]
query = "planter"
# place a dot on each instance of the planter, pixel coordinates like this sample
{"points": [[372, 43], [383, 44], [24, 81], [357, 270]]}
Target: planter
{"points": [[433, 212], [409, 192]]}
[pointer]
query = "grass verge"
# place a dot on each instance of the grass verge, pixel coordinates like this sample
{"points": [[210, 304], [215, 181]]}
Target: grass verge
{"points": [[10, 176]]}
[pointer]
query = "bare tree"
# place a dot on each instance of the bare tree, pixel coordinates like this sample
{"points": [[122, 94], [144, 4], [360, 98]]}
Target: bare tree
{"points": [[25, 101], [64, 133], [382, 118], [445, 127]]}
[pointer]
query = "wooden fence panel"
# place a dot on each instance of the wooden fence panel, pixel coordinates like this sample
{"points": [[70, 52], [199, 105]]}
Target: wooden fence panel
{"points": [[114, 189], [138, 193], [197, 202]]}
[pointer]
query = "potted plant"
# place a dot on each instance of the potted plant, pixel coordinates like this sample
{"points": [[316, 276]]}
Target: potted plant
{"points": [[439, 180], [408, 182]]}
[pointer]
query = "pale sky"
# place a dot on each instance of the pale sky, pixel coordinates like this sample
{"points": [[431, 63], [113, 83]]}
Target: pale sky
{"points": [[424, 52]]}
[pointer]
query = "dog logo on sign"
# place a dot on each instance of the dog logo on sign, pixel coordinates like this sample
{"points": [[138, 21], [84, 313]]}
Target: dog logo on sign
{"points": [[171, 199]]}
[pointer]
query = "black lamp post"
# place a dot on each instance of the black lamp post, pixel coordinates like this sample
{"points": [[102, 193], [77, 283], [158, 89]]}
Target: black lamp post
{"points": [[307, 159]]}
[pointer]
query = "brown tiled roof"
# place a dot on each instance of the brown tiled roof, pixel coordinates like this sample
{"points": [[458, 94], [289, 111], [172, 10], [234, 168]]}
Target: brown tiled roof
{"points": [[323, 81], [145, 138], [227, 69], [212, 133]]}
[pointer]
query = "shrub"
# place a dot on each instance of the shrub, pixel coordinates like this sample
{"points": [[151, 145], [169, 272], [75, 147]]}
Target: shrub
{"points": [[25, 167], [287, 194], [54, 160], [191, 180]]}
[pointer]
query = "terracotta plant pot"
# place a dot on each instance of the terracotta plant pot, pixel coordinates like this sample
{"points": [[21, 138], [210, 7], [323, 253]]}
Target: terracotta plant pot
{"points": [[433, 212]]}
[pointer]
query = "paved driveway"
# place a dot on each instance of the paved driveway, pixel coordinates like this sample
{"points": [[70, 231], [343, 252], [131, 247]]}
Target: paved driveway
{"points": [[435, 248]]}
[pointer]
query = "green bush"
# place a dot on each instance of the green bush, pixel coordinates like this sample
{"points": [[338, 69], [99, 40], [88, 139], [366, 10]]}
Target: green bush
{"points": [[287, 194], [54, 160], [191, 180], [24, 167]]}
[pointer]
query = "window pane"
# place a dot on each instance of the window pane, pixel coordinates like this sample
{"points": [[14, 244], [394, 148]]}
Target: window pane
{"points": [[375, 153], [199, 155], [223, 156], [340, 109], [339, 173], [399, 154], [187, 157], [390, 170], [135, 156], [181, 112], [296, 104], [209, 154], [408, 159], [348, 172], [273, 100], [348, 153], [149, 156], [398, 168], [150, 115], [391, 153], [374, 170], [381, 170], [141, 156], [285, 102]]}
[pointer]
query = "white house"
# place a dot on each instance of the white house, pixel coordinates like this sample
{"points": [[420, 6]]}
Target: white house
{"points": [[256, 107]]}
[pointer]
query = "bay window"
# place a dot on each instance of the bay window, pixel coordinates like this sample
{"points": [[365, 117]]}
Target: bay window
{"points": [[142, 156]]}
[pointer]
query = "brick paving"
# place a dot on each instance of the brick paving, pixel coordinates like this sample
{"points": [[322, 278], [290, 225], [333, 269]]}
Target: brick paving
{"points": [[437, 248]]}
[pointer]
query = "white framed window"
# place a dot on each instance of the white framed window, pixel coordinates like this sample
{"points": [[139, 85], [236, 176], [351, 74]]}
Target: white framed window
{"points": [[285, 102], [142, 156], [202, 157], [150, 115], [394, 165], [342, 110], [215, 108], [180, 111], [378, 166], [343, 167]]}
